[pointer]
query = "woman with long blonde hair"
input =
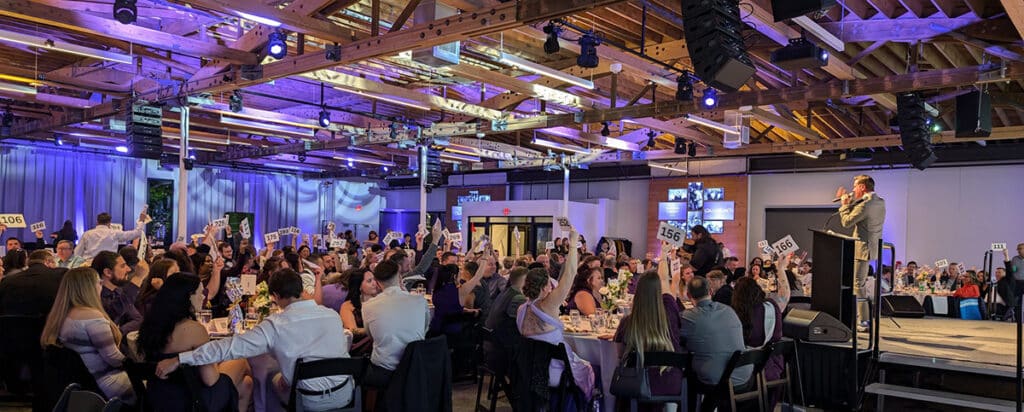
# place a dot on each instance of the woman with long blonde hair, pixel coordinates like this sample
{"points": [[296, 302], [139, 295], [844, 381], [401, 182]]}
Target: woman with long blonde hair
{"points": [[653, 326], [78, 322]]}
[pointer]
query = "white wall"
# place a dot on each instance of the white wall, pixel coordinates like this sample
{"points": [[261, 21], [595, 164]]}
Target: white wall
{"points": [[941, 213], [623, 202], [588, 219]]}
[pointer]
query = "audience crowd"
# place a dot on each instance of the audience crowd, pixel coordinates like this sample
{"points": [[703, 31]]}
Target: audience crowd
{"points": [[113, 303]]}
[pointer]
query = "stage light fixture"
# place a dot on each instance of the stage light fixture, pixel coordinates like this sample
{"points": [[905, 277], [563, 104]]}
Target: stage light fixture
{"points": [[385, 168], [551, 45], [588, 51], [650, 138], [680, 148], [691, 149], [800, 54], [325, 116], [121, 149], [58, 139], [125, 11], [235, 101], [276, 47], [710, 98], [684, 87], [604, 130]]}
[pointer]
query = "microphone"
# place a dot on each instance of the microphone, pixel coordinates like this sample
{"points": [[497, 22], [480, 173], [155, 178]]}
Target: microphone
{"points": [[840, 198]]}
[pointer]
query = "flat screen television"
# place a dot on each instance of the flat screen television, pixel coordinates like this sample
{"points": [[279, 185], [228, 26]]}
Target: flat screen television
{"points": [[456, 212], [672, 211], [720, 210], [714, 226], [677, 195], [714, 193]]}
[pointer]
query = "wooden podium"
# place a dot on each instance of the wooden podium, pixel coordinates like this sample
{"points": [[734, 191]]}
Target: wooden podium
{"points": [[832, 284]]}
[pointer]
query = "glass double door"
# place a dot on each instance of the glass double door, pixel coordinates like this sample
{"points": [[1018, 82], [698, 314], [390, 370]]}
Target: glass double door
{"points": [[513, 236]]}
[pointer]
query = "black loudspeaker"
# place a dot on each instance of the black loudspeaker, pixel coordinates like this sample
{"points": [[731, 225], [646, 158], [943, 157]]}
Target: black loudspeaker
{"points": [[814, 326], [788, 9], [680, 146], [912, 118], [902, 307], [713, 35], [974, 114]]}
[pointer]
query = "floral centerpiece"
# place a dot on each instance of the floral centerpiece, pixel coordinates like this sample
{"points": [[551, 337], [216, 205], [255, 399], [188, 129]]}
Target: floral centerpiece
{"points": [[261, 302], [615, 291]]}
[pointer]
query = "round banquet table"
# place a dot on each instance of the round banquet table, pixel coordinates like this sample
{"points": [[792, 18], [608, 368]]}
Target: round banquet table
{"points": [[602, 354]]}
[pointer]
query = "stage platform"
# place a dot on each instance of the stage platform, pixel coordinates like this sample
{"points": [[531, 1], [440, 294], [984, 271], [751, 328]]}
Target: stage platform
{"points": [[976, 341]]}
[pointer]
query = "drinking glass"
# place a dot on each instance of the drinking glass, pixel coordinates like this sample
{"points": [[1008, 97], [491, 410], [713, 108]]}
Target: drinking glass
{"points": [[421, 290], [205, 316], [251, 319], [574, 318]]}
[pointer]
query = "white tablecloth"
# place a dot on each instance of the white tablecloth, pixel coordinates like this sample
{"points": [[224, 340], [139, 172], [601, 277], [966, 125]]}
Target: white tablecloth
{"points": [[601, 353]]}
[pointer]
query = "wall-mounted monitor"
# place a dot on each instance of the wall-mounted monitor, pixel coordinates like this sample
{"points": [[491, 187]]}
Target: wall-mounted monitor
{"points": [[456, 212], [714, 226], [672, 211], [720, 210], [696, 196], [714, 193], [694, 218], [677, 195]]}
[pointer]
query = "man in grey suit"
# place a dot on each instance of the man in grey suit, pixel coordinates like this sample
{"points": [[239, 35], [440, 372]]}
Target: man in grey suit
{"points": [[865, 212]]}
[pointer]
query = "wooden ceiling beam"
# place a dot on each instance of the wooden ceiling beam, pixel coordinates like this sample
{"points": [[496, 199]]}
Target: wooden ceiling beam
{"points": [[897, 30], [888, 8], [82, 22], [890, 84], [781, 33], [290, 18], [785, 124]]}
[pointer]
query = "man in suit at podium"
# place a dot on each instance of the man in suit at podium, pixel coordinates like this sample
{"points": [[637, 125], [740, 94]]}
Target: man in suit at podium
{"points": [[863, 210]]}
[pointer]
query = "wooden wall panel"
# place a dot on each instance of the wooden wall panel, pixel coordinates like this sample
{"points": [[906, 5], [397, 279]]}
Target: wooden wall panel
{"points": [[734, 234]]}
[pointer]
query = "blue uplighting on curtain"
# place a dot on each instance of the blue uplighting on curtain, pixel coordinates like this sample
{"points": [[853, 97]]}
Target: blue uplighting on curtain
{"points": [[55, 185]]}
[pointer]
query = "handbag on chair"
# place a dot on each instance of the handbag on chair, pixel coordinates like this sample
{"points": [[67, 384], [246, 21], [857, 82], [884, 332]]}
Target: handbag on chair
{"points": [[630, 381]]}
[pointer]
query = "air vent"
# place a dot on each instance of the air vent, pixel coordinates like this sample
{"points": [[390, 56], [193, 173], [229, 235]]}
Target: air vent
{"points": [[438, 56]]}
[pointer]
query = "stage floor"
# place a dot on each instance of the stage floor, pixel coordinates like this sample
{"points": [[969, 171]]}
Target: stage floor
{"points": [[968, 340]]}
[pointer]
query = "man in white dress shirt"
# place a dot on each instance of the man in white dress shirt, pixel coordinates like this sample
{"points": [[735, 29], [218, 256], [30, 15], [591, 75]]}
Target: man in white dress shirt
{"points": [[104, 237], [303, 330], [394, 318]]}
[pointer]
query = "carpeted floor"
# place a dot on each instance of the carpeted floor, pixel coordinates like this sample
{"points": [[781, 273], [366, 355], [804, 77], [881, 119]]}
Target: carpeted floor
{"points": [[969, 340]]}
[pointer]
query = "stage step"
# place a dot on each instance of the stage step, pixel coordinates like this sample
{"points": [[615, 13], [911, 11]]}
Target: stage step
{"points": [[1001, 371], [946, 398]]}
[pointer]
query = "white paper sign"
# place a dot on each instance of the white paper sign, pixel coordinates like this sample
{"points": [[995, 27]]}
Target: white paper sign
{"points": [[446, 234], [563, 222], [272, 237], [220, 224], [343, 261], [115, 226], [942, 263], [337, 243], [516, 234], [549, 245], [283, 231], [294, 230], [38, 226], [785, 245], [456, 237], [762, 244], [671, 234], [318, 241], [245, 229], [999, 246], [12, 220], [248, 284], [181, 238], [390, 237]]}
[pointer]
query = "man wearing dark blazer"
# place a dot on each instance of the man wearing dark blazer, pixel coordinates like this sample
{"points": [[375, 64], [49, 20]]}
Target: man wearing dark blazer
{"points": [[32, 291]]}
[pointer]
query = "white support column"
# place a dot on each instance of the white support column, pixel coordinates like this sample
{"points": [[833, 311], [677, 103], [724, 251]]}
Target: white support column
{"points": [[565, 191], [182, 228], [423, 188]]}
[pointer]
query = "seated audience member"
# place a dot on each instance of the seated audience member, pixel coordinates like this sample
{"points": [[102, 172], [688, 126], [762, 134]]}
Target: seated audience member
{"points": [[968, 288], [756, 272], [79, 322], [393, 319], [302, 330], [538, 319], [119, 306], [447, 306], [585, 290], [720, 288], [171, 328], [32, 291], [508, 301], [761, 318], [649, 328], [66, 233], [158, 273], [66, 255], [805, 277], [137, 269], [686, 273], [1006, 287], [335, 288], [949, 276], [484, 293], [608, 265], [362, 288], [104, 238], [15, 261], [712, 332]]}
